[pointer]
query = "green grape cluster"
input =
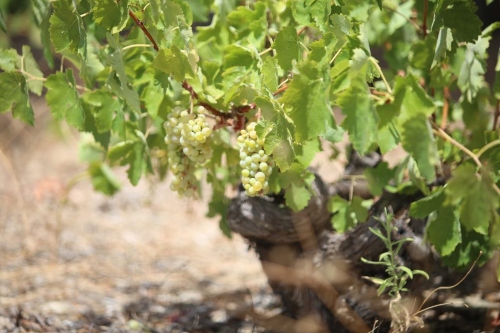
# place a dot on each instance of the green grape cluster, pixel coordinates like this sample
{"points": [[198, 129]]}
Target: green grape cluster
{"points": [[188, 140], [256, 165]]}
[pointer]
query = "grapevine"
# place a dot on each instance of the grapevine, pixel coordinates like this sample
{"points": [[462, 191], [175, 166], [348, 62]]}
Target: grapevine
{"points": [[139, 66]]}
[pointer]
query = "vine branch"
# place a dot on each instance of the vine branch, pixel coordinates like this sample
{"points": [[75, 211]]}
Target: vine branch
{"points": [[141, 25], [441, 133]]}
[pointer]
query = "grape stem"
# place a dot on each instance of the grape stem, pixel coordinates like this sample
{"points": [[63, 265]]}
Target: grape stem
{"points": [[442, 134], [141, 25], [375, 63]]}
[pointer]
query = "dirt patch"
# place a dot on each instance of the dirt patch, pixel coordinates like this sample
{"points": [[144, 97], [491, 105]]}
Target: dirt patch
{"points": [[93, 261]]}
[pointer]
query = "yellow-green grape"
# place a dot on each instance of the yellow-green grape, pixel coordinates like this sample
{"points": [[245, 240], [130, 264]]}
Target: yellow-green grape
{"points": [[187, 141], [256, 165]]}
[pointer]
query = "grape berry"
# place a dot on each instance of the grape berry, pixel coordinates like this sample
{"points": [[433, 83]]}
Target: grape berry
{"points": [[255, 163], [188, 140]]}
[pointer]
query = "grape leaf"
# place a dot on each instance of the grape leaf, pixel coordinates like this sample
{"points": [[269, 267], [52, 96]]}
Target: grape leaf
{"points": [[218, 205], [41, 12], [287, 47], [270, 73], [115, 58], [249, 23], [388, 136], [443, 44], [174, 62], [461, 18], [341, 26], [361, 118], [276, 130], [31, 67], [476, 197], [321, 50], [416, 133], [378, 177], [112, 15], [2, 22], [305, 153], [471, 76], [425, 206], [236, 55], [66, 28], [296, 185], [347, 214], [90, 151], [467, 251], [14, 97], [9, 59], [423, 53], [103, 179], [63, 98], [104, 105], [306, 102], [444, 220], [137, 161]]}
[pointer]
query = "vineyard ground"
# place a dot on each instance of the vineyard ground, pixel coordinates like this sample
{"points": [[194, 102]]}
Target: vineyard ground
{"points": [[141, 259]]}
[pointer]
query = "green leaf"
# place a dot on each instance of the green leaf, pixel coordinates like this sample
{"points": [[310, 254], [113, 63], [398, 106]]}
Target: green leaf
{"points": [[287, 47], [425, 206], [476, 198], [270, 73], [236, 55], [297, 187], [443, 230], [42, 11], [120, 150], [361, 118], [66, 28], [307, 104], [9, 59], [305, 153], [378, 177], [388, 136], [63, 98], [416, 132], [469, 250], [112, 15], [174, 62], [276, 131], [218, 205], [104, 105], [2, 22], [471, 76], [14, 97], [444, 42], [347, 214], [103, 178], [115, 59], [90, 151], [461, 18], [137, 163], [31, 67], [297, 197]]}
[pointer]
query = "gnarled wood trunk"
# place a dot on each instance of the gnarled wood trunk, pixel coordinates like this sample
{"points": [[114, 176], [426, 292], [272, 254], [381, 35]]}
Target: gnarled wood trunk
{"points": [[319, 273]]}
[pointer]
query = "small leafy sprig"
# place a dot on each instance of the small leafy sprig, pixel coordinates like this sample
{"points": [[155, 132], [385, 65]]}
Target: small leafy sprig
{"points": [[398, 274]]}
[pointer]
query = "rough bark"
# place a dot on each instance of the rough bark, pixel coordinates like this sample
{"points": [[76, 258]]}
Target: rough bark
{"points": [[319, 273]]}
